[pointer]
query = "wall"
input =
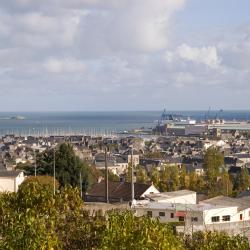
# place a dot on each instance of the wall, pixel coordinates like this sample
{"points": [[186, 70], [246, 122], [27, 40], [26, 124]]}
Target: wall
{"points": [[151, 190], [20, 178], [136, 159], [7, 184], [155, 214], [232, 211]]}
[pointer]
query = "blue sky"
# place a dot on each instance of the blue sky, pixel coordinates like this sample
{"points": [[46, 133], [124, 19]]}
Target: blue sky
{"points": [[210, 13], [124, 55]]}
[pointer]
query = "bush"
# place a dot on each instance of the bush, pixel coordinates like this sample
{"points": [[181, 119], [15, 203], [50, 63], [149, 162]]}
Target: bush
{"points": [[215, 241], [124, 231]]}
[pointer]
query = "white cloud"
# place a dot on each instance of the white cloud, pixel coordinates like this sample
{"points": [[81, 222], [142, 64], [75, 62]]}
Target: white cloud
{"points": [[108, 49], [144, 25], [202, 55], [61, 66]]}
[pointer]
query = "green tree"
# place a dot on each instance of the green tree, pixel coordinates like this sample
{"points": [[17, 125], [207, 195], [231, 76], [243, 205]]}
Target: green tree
{"points": [[196, 182], [141, 175], [45, 180], [224, 184], [213, 162], [128, 173], [111, 175], [165, 177], [215, 241], [155, 177], [243, 180], [169, 179], [35, 218], [125, 231], [68, 166], [174, 178], [184, 179]]}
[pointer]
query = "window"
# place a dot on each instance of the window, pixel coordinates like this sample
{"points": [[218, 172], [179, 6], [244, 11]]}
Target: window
{"points": [[194, 219], [215, 218], [226, 218], [172, 215], [181, 218], [149, 213], [241, 217], [161, 214]]}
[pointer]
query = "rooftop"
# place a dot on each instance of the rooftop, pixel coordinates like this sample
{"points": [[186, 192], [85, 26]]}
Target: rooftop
{"points": [[11, 174], [169, 195], [241, 203], [175, 206]]}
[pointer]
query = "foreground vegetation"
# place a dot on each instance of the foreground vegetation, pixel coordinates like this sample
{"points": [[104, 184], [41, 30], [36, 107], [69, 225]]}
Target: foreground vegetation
{"points": [[35, 218]]}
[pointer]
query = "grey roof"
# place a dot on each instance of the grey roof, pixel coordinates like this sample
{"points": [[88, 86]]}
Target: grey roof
{"points": [[241, 203], [244, 194], [169, 195], [120, 159], [11, 174]]}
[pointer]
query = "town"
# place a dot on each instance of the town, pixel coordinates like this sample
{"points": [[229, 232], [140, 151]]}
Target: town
{"points": [[200, 180]]}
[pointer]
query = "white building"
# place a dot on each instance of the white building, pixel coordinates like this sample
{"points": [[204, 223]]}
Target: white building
{"points": [[180, 196], [220, 213], [10, 180]]}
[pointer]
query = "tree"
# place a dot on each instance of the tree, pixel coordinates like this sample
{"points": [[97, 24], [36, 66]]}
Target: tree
{"points": [[141, 175], [44, 180], [196, 182], [111, 175], [184, 179], [68, 166], [35, 218], [137, 233], [155, 177], [174, 178], [243, 180], [128, 173], [170, 178], [165, 177], [215, 241], [213, 161], [224, 184]]}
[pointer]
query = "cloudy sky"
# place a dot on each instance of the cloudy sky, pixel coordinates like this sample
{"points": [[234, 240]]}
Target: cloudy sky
{"points": [[124, 54]]}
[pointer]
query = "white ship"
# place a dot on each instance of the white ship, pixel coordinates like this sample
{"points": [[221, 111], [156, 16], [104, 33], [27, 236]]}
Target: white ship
{"points": [[174, 119]]}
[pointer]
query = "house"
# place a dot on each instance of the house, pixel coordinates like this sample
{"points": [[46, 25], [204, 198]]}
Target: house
{"points": [[220, 213], [10, 180], [135, 157], [118, 191]]}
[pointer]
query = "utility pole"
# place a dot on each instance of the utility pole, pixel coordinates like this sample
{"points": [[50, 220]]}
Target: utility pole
{"points": [[81, 183], [35, 161], [54, 165], [106, 178], [132, 177]]}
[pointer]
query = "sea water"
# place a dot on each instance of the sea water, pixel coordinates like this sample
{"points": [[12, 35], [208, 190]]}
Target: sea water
{"points": [[61, 123]]}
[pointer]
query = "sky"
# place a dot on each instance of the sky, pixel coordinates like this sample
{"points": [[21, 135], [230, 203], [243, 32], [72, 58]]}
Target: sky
{"points": [[60, 55]]}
